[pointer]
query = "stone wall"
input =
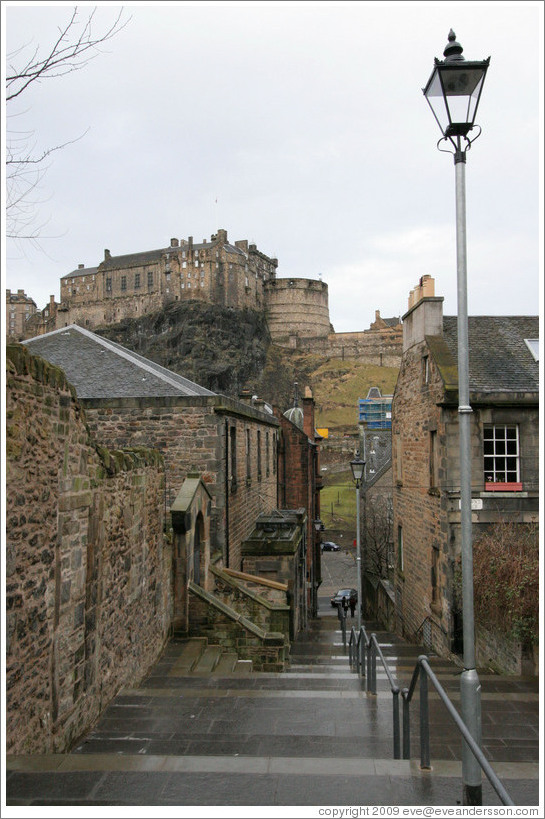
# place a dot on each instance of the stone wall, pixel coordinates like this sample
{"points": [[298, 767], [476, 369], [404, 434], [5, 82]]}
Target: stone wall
{"points": [[381, 347], [88, 596], [209, 617], [212, 436]]}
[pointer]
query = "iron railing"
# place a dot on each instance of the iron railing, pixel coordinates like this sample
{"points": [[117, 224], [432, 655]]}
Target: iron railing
{"points": [[362, 654]]}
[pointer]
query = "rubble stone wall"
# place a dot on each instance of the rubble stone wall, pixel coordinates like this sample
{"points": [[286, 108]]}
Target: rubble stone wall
{"points": [[88, 592]]}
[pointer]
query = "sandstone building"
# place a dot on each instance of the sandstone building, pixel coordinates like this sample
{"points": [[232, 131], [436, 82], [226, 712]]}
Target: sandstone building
{"points": [[230, 275], [19, 309], [504, 396]]}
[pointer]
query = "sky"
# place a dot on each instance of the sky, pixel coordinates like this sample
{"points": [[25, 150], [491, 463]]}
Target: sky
{"points": [[301, 127]]}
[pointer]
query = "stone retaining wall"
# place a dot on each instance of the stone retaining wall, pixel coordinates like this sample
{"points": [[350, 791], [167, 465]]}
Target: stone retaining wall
{"points": [[88, 598]]}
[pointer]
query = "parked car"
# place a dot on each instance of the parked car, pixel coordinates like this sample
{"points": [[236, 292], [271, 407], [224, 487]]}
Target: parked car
{"points": [[350, 595], [329, 546]]}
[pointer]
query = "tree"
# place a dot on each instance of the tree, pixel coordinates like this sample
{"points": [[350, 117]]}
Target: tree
{"points": [[377, 535], [74, 47]]}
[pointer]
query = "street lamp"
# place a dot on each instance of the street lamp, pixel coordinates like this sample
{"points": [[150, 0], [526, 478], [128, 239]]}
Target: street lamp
{"points": [[453, 92], [358, 468]]}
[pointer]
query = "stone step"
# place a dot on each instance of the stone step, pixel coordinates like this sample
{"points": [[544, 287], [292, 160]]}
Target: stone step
{"points": [[226, 663], [190, 652], [208, 660]]}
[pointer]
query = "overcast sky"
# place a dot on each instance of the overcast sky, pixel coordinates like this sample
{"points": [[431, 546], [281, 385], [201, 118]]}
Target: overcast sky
{"points": [[299, 126]]}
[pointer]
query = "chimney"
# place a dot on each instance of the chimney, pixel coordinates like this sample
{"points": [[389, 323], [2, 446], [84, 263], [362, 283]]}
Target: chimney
{"points": [[174, 242], [107, 255], [81, 267], [308, 414], [52, 301], [222, 236], [425, 314], [245, 395]]}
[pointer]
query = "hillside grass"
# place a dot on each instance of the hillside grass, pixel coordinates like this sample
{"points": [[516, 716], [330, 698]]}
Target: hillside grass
{"points": [[338, 385]]}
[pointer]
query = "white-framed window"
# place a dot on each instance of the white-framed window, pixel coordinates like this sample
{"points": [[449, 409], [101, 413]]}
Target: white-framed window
{"points": [[501, 453]]}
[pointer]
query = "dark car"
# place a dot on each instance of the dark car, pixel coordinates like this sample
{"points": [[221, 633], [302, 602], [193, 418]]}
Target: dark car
{"points": [[350, 595], [329, 546]]}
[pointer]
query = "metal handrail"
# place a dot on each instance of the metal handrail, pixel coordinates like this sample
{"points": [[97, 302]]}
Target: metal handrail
{"points": [[407, 694], [373, 649], [359, 645], [432, 622]]}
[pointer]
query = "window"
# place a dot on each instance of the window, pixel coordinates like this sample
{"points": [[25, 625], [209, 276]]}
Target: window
{"points": [[123, 283], [399, 462], [501, 457], [258, 455], [425, 369], [108, 285], [150, 278], [433, 459], [233, 453], [136, 281], [267, 454], [400, 548], [434, 574], [184, 265], [248, 457]]}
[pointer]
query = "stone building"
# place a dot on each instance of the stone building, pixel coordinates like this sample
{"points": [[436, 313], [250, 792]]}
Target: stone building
{"points": [[229, 275], [504, 396], [19, 309], [299, 484], [130, 401]]}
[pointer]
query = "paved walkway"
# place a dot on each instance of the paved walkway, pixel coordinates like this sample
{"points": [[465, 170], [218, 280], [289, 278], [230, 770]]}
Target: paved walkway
{"points": [[309, 737]]}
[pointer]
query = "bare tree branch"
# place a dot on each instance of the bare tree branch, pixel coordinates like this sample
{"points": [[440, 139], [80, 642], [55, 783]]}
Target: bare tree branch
{"points": [[72, 50], [63, 57]]}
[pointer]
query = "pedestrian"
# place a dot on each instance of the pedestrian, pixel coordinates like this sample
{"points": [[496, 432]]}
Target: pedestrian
{"points": [[352, 607]]}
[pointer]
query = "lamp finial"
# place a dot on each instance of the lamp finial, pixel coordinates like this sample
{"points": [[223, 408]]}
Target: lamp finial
{"points": [[453, 49]]}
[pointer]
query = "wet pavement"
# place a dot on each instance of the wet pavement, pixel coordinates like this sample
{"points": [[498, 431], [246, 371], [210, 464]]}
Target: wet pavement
{"points": [[309, 737]]}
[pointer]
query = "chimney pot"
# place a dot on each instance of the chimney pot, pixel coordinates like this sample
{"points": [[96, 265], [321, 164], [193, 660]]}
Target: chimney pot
{"points": [[107, 254], [174, 242], [81, 266]]}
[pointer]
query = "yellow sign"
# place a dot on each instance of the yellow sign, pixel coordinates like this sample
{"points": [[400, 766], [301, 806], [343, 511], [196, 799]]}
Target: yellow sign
{"points": [[324, 433]]}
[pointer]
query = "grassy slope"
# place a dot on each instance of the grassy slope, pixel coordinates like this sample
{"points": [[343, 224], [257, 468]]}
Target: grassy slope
{"points": [[337, 385]]}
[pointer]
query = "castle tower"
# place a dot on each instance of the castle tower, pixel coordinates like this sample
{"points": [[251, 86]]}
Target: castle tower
{"points": [[297, 308]]}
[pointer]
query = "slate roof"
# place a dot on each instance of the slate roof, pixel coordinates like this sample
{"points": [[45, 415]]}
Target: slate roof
{"points": [[145, 257], [81, 271], [499, 358], [99, 368]]}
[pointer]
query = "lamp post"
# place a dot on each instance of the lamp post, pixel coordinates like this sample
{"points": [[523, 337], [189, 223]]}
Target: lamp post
{"points": [[453, 92], [317, 565], [358, 467]]}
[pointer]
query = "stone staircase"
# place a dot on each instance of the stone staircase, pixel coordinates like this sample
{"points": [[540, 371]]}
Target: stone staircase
{"points": [[194, 655], [201, 729]]}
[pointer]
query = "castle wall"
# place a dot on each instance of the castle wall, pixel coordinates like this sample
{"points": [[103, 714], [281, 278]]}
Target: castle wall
{"points": [[380, 347], [88, 588]]}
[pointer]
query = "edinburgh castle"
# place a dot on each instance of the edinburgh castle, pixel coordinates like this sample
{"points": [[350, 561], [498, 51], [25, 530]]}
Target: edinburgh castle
{"points": [[235, 276]]}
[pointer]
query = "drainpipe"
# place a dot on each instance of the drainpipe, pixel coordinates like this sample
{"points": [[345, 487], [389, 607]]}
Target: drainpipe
{"points": [[226, 494]]}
